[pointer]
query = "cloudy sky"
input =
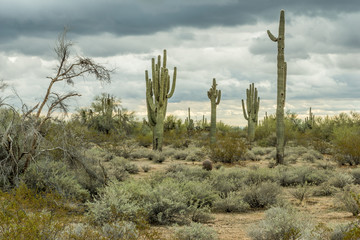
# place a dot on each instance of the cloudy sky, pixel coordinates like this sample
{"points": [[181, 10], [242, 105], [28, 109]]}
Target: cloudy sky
{"points": [[205, 39]]}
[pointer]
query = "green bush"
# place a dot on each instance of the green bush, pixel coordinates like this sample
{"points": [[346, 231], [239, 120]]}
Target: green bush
{"points": [[262, 195], [301, 192], [356, 175], [232, 202], [346, 141], [280, 223], [123, 230], [228, 149], [341, 179], [195, 231], [292, 176], [324, 189], [346, 200], [259, 175], [49, 176], [116, 202], [227, 180]]}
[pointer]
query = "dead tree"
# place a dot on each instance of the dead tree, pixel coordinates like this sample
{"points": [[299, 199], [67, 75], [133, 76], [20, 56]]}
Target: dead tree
{"points": [[68, 69]]}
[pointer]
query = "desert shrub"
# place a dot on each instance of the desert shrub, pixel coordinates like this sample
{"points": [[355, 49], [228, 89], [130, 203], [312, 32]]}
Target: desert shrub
{"points": [[186, 173], [301, 193], [144, 140], [115, 202], [47, 175], [340, 232], [258, 175], [291, 176], [158, 157], [341, 179], [356, 175], [195, 231], [181, 154], [271, 155], [250, 155], [291, 159], [167, 203], [207, 165], [279, 223], [261, 151], [199, 193], [169, 151], [227, 180], [125, 230], [141, 152], [322, 146], [262, 195], [121, 163], [324, 189], [145, 168], [308, 157], [346, 141], [232, 202], [25, 214], [346, 200], [325, 165], [295, 151], [228, 150], [192, 157]]}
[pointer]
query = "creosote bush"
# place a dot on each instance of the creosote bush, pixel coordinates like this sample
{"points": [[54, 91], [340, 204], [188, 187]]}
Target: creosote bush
{"points": [[50, 176], [228, 149], [25, 214]]}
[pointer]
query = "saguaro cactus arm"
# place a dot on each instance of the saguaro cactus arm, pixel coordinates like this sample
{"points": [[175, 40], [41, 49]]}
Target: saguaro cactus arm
{"points": [[213, 93], [244, 110]]}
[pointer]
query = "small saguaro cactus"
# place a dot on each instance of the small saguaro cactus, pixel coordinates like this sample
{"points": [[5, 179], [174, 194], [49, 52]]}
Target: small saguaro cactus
{"points": [[214, 95], [157, 94], [190, 122], [251, 111], [310, 121], [281, 89]]}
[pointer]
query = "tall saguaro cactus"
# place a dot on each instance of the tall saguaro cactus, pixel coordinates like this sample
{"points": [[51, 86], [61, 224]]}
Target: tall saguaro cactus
{"points": [[214, 95], [252, 110], [281, 89], [157, 94]]}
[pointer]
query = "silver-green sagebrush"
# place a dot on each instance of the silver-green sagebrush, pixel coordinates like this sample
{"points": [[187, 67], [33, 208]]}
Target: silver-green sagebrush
{"points": [[158, 92], [214, 95], [281, 89], [251, 111]]}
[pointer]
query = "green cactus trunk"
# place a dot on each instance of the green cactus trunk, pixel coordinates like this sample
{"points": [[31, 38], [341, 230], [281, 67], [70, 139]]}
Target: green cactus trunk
{"points": [[157, 94], [281, 89], [251, 111], [214, 96]]}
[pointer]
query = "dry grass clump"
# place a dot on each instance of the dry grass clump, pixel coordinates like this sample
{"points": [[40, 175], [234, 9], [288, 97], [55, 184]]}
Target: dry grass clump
{"points": [[196, 231]]}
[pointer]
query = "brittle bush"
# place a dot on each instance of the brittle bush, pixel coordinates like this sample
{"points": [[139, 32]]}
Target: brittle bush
{"points": [[27, 215]]}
